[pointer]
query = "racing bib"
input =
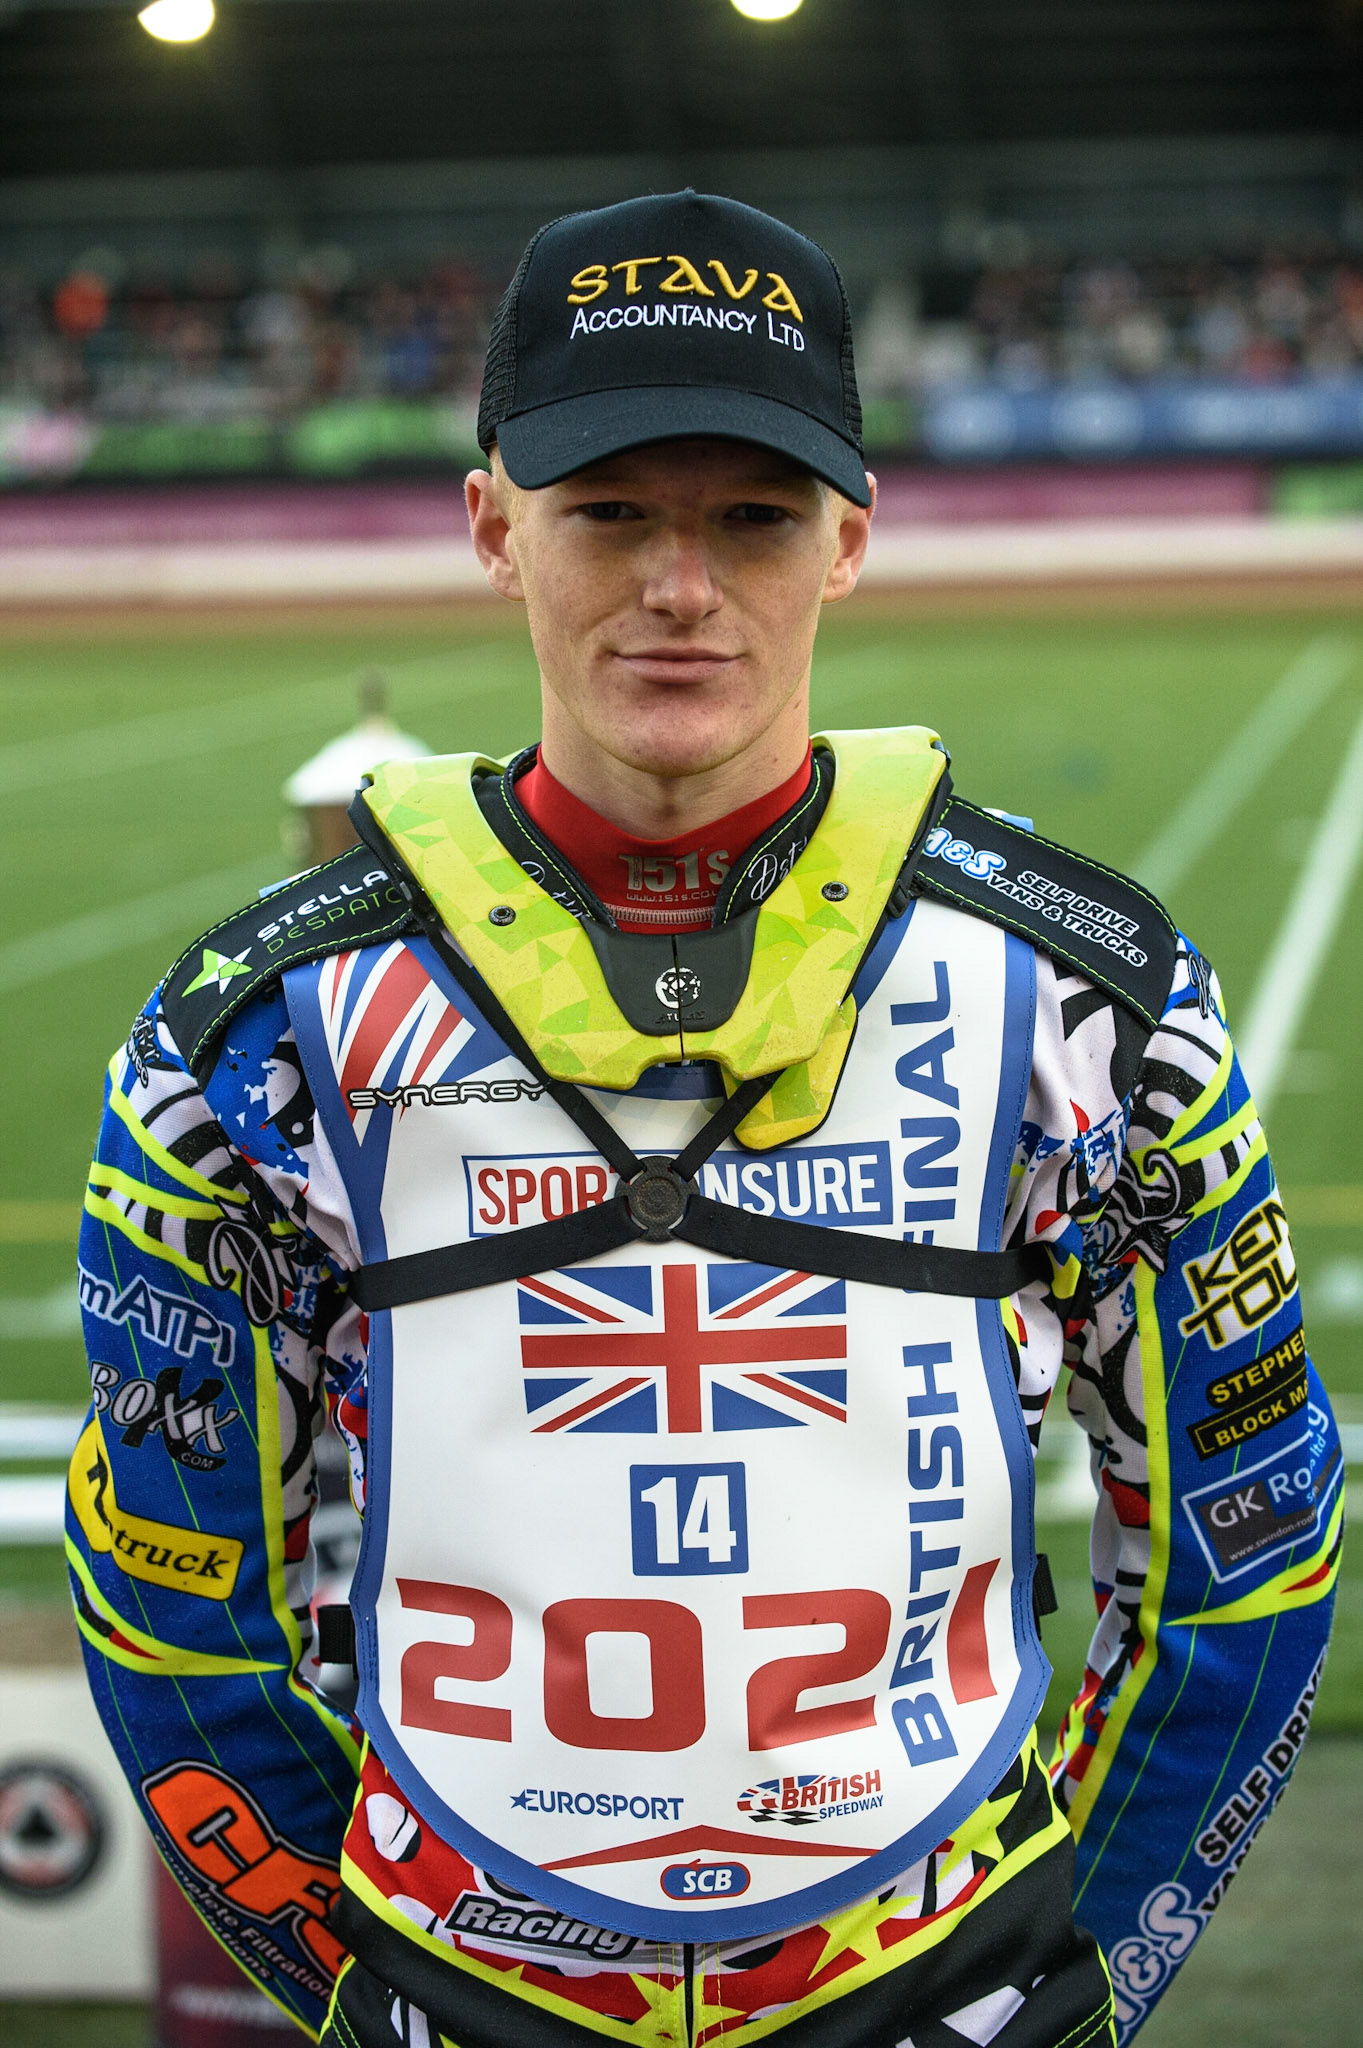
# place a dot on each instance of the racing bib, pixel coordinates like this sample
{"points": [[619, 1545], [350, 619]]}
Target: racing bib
{"points": [[695, 1597]]}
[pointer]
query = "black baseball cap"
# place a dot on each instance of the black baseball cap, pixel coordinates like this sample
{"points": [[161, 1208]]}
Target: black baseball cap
{"points": [[670, 316]]}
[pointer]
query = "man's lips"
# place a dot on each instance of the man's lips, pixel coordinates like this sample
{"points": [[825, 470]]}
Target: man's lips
{"points": [[676, 664]]}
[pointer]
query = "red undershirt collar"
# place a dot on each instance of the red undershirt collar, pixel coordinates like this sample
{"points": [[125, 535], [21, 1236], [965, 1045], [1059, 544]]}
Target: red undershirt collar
{"points": [[652, 885]]}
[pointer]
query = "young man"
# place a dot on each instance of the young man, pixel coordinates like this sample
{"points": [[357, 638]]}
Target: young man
{"points": [[679, 1164]]}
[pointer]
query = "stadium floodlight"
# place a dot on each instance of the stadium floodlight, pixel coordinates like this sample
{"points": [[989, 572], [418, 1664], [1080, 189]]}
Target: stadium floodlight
{"points": [[767, 10], [177, 21]]}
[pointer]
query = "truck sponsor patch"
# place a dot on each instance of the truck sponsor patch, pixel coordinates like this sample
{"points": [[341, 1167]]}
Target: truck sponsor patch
{"points": [[161, 1553]]}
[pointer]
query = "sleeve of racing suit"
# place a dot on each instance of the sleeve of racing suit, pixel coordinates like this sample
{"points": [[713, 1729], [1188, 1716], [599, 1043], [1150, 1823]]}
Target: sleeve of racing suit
{"points": [[1216, 1539], [217, 1335]]}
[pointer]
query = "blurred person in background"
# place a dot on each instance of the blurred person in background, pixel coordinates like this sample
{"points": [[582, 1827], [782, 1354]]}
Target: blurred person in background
{"points": [[679, 1163]]}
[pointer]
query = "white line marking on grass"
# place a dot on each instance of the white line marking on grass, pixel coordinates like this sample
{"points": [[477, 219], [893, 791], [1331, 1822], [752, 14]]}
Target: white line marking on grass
{"points": [[1303, 939], [32, 1429], [38, 1318], [100, 934], [125, 744], [1239, 768], [32, 1510]]}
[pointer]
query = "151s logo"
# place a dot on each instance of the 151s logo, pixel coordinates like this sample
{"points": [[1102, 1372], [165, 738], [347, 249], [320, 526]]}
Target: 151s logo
{"points": [[220, 1831], [1241, 1283]]}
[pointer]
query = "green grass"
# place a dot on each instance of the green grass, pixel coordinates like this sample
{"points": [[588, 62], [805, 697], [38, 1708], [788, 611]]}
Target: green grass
{"points": [[1095, 727]]}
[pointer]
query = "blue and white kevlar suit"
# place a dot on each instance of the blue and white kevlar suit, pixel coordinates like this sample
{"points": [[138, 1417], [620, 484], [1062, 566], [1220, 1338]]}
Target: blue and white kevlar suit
{"points": [[696, 1618]]}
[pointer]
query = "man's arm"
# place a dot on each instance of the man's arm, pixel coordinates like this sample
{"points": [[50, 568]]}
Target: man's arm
{"points": [[216, 1332], [1217, 1535]]}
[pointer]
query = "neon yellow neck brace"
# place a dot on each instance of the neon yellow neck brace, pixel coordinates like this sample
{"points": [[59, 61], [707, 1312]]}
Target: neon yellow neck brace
{"points": [[795, 1014]]}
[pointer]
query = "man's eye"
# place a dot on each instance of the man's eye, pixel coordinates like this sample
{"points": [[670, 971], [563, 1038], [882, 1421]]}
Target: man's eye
{"points": [[607, 509], [759, 515]]}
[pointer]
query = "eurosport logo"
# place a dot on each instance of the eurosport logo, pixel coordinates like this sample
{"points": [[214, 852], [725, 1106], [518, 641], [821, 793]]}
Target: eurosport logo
{"points": [[837, 1185], [609, 1805]]}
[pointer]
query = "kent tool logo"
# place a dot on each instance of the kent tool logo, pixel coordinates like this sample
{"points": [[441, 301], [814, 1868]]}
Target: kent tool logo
{"points": [[1241, 1283], [682, 1350]]}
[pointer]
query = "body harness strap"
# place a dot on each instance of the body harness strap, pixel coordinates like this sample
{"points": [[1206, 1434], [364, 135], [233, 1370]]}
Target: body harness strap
{"points": [[659, 1199]]}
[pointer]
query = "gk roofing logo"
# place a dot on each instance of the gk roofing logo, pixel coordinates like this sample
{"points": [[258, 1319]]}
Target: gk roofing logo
{"points": [[1272, 1506]]}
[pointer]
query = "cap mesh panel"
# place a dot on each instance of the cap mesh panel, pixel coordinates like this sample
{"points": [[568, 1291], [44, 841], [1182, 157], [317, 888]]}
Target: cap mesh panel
{"points": [[851, 397], [498, 394]]}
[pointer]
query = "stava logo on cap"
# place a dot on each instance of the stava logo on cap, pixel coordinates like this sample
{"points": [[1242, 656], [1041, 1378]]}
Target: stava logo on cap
{"points": [[594, 281], [741, 330]]}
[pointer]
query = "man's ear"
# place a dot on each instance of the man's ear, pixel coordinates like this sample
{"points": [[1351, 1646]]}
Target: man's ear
{"points": [[490, 527], [854, 530]]}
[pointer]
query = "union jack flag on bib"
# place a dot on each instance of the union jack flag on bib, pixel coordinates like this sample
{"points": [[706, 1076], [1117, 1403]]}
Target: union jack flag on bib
{"points": [[681, 1349]]}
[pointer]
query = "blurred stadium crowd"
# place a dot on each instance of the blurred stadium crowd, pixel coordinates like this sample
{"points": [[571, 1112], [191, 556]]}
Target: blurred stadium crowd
{"points": [[212, 348]]}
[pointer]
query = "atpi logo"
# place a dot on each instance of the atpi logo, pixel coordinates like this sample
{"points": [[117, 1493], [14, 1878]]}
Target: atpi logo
{"points": [[800, 1801]]}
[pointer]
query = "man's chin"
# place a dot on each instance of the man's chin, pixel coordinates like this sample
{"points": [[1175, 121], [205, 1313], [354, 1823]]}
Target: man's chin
{"points": [[675, 758]]}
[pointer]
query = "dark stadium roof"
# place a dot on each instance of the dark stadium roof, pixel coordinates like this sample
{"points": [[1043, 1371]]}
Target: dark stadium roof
{"points": [[294, 83]]}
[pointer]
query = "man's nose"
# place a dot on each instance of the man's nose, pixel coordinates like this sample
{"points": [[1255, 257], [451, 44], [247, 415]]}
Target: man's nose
{"points": [[680, 580]]}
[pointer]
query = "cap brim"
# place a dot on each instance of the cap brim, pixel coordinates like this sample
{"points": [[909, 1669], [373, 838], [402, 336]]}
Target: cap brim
{"points": [[546, 444]]}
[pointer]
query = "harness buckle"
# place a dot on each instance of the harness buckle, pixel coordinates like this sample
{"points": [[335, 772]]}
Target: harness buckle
{"points": [[658, 1197]]}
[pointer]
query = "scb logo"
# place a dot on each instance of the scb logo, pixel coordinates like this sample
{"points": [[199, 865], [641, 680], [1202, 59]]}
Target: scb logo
{"points": [[705, 1880]]}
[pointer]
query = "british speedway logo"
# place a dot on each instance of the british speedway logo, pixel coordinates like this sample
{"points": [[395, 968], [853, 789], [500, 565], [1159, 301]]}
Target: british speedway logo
{"points": [[813, 1796], [683, 1348]]}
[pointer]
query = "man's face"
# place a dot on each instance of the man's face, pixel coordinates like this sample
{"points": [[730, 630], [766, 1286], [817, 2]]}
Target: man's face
{"points": [[673, 594]]}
